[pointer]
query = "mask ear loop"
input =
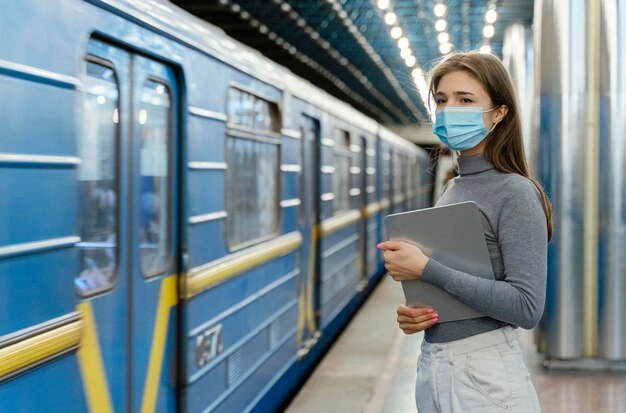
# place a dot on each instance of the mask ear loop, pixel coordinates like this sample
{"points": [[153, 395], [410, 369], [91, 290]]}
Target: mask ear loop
{"points": [[490, 110]]}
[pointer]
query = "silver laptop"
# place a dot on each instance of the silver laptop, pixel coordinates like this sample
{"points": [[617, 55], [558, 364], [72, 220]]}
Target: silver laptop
{"points": [[451, 234]]}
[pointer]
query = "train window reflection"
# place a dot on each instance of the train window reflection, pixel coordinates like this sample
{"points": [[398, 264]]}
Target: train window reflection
{"points": [[253, 112], [341, 176], [98, 176], [404, 172], [397, 175], [154, 121], [251, 190], [386, 172]]}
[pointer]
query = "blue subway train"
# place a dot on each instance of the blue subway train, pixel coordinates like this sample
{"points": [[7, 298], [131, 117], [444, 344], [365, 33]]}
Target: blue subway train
{"points": [[187, 226]]}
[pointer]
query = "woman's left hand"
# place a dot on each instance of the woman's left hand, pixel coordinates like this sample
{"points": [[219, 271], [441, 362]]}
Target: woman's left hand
{"points": [[403, 261]]}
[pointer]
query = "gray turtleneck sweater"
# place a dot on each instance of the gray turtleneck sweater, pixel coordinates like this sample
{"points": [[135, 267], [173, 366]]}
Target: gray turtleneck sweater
{"points": [[514, 224]]}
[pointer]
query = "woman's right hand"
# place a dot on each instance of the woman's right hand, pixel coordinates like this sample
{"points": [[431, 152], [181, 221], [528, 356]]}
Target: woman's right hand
{"points": [[413, 320]]}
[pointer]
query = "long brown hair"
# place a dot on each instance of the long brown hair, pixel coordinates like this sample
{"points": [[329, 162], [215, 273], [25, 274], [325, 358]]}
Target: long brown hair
{"points": [[504, 147]]}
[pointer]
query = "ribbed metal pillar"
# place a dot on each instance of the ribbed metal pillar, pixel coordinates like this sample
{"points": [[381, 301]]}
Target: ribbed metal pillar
{"points": [[612, 194], [559, 48], [517, 56]]}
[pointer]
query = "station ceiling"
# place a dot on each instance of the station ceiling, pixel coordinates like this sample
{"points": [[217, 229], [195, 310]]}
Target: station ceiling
{"points": [[346, 46]]}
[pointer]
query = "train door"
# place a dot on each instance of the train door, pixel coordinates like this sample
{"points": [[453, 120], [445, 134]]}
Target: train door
{"points": [[128, 253], [363, 247], [154, 211], [309, 224]]}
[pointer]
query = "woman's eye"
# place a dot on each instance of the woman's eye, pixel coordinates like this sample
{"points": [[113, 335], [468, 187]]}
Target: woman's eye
{"points": [[440, 101], [466, 100]]}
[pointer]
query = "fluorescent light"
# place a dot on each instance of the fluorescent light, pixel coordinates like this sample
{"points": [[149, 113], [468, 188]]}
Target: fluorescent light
{"points": [[445, 48], [440, 10], [422, 87], [491, 16], [390, 18], [486, 49], [410, 61], [403, 43], [441, 25], [404, 53], [396, 32], [443, 37], [383, 4], [488, 31]]}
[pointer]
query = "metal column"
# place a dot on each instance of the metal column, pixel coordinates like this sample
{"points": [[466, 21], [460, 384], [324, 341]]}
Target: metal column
{"points": [[612, 193]]}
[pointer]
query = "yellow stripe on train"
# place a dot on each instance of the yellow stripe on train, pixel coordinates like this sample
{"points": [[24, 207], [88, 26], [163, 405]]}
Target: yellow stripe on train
{"points": [[37, 347], [168, 298], [213, 273], [91, 365], [334, 224]]}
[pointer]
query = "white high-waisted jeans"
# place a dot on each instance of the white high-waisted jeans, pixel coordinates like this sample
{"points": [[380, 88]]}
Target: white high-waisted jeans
{"points": [[484, 373]]}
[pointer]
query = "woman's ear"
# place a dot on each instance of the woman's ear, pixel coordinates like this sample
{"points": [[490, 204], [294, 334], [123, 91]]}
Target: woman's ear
{"points": [[501, 113]]}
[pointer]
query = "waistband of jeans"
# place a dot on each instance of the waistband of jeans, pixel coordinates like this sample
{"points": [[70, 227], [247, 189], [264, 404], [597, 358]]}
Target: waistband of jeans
{"points": [[504, 335]]}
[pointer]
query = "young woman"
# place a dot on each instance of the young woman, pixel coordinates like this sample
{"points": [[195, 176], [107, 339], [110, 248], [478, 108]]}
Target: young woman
{"points": [[476, 365]]}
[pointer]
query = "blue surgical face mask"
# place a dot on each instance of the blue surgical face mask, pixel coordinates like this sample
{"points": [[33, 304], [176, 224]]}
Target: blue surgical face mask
{"points": [[461, 128]]}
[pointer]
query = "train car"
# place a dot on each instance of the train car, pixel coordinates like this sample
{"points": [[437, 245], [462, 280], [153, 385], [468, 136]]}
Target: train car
{"points": [[187, 225]]}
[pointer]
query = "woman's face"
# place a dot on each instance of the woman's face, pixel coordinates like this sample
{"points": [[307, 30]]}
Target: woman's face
{"points": [[460, 89]]}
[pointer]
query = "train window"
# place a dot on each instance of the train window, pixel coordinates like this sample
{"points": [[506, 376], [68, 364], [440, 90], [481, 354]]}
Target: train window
{"points": [[253, 112], [397, 174], [408, 175], [405, 174], [386, 181], [154, 120], [341, 177], [98, 175], [251, 190]]}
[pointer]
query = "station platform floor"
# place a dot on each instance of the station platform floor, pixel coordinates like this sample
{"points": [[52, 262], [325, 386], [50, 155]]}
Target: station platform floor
{"points": [[371, 369]]}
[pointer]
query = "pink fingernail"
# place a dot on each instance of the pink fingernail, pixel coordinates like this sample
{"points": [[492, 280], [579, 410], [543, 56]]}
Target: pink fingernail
{"points": [[379, 245], [435, 320], [430, 310]]}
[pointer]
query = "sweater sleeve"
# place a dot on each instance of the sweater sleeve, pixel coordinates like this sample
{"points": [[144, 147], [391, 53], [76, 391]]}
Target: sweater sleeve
{"points": [[519, 298]]}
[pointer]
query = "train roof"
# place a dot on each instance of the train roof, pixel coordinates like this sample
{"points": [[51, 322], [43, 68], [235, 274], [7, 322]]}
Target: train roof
{"points": [[200, 35], [212, 40]]}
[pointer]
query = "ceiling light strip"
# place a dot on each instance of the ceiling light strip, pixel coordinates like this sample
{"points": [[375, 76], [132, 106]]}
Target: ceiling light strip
{"points": [[489, 29], [336, 55], [342, 86], [308, 61], [441, 26], [373, 55], [405, 52]]}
